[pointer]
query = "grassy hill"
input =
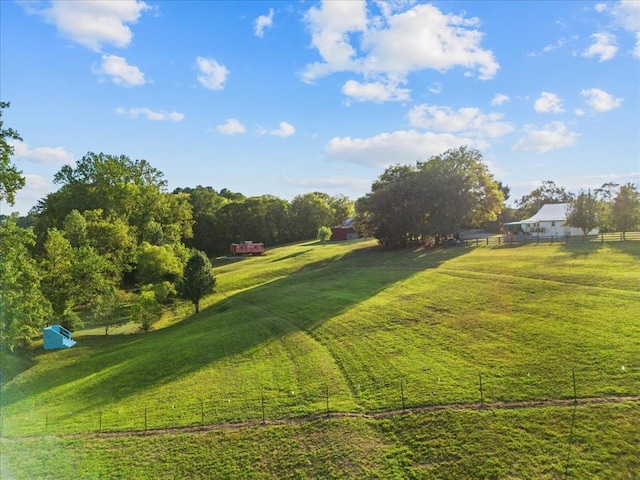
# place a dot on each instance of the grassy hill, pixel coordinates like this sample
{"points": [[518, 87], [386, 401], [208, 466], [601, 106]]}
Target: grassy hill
{"points": [[348, 328]]}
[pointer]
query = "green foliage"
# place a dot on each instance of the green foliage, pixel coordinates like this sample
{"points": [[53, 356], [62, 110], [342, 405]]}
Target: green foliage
{"points": [[547, 192], [584, 212], [198, 279], [435, 198], [24, 311], [106, 309], [625, 210], [11, 179], [156, 264], [324, 234], [146, 310]]}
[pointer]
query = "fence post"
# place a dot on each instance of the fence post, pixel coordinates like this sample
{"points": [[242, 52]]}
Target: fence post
{"points": [[202, 412], [575, 392], [402, 392], [481, 391], [263, 415], [602, 238], [145, 418]]}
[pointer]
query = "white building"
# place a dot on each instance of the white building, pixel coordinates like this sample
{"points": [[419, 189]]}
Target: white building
{"points": [[549, 222]]}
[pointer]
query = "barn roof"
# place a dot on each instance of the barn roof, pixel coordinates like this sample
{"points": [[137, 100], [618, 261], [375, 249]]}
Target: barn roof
{"points": [[550, 212]]}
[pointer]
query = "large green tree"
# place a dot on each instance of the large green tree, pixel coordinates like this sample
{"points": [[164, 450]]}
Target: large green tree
{"points": [[625, 210], [24, 310], [11, 179], [198, 279], [584, 212], [546, 192]]}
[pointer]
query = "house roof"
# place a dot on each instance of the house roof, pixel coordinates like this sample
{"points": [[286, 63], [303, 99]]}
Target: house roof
{"points": [[550, 212]]}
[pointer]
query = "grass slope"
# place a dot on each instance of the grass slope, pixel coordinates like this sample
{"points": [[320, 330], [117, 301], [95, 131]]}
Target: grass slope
{"points": [[361, 330]]}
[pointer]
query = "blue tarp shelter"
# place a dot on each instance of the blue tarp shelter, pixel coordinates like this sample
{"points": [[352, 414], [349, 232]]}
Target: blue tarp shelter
{"points": [[56, 336]]}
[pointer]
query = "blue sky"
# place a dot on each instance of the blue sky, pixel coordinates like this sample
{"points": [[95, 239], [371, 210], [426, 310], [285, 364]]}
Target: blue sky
{"points": [[285, 98]]}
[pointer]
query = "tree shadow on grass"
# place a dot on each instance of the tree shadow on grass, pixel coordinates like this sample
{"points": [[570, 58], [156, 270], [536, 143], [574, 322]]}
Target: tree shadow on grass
{"points": [[126, 366]]}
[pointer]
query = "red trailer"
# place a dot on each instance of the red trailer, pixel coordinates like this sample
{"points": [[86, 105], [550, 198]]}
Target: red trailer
{"points": [[247, 248]]}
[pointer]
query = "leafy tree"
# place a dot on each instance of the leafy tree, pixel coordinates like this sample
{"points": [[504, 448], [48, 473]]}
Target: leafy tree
{"points": [[24, 310], [309, 212], [146, 310], [157, 263], [106, 310], [324, 234], [93, 275], [57, 280], [584, 212], [75, 229], [547, 192], [198, 279], [11, 179], [625, 210]]}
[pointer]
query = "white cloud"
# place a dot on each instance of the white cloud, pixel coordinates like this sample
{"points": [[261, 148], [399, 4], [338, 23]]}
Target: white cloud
{"points": [[548, 103], [627, 15], [212, 74], [42, 155], [466, 121], [262, 22], [600, 7], [551, 136], [231, 127], [599, 100], [374, 91], [604, 46], [499, 99], [436, 88], [579, 112], [284, 130], [120, 72], [95, 23], [151, 115], [385, 50], [405, 146]]}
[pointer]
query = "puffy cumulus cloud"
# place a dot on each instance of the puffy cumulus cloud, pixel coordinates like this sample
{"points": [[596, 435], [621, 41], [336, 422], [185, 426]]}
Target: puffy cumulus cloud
{"points": [[42, 155], [212, 74], [119, 71], [551, 136], [499, 99], [151, 115], [468, 121], [231, 127], [604, 46], [284, 130], [404, 146], [599, 100], [262, 22], [548, 103], [627, 15], [384, 50], [374, 91], [93, 24]]}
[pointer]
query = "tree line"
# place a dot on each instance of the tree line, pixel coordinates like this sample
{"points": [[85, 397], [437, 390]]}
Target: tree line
{"points": [[113, 227]]}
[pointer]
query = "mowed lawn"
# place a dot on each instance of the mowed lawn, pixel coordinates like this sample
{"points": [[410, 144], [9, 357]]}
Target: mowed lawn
{"points": [[349, 328], [346, 327]]}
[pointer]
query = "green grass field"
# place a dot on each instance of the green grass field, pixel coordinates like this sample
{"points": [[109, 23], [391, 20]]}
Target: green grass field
{"points": [[349, 327]]}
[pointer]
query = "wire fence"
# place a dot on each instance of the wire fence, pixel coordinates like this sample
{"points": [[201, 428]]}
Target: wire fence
{"points": [[536, 239], [239, 408]]}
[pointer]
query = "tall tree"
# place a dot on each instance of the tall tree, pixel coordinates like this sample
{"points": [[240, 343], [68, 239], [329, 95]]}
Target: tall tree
{"points": [[584, 212], [11, 179], [547, 192], [198, 279], [23, 308], [625, 211]]}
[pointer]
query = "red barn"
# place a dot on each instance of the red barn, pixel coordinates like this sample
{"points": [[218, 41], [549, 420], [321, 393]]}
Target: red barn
{"points": [[344, 231]]}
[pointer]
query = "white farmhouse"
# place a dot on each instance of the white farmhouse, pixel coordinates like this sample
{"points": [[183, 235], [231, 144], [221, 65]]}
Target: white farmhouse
{"points": [[549, 222]]}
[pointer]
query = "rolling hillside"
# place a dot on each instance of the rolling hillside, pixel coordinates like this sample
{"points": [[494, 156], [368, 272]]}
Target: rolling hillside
{"points": [[348, 329]]}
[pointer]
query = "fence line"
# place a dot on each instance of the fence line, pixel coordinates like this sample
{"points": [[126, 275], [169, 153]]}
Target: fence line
{"points": [[277, 405], [600, 238]]}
